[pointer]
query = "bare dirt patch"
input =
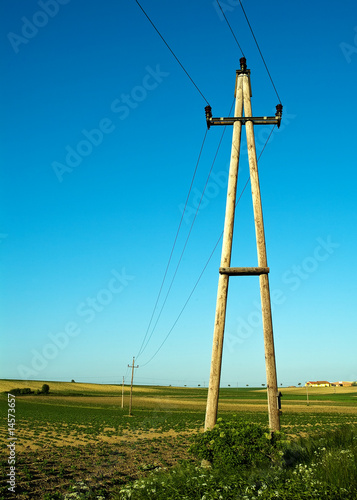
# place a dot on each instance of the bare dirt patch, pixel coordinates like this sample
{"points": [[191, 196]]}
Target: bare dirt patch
{"points": [[101, 465]]}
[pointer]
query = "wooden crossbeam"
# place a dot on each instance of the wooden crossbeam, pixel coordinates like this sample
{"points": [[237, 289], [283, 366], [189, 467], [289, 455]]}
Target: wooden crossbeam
{"points": [[243, 271], [257, 120]]}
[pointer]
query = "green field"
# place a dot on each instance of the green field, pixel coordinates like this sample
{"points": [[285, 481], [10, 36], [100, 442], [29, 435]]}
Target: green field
{"points": [[79, 434]]}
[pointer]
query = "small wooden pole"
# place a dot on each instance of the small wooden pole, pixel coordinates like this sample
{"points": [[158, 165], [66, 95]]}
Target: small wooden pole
{"points": [[272, 385], [131, 385], [216, 361], [122, 395]]}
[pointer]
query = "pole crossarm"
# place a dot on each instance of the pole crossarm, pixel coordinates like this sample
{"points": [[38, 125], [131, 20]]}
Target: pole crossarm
{"points": [[243, 271], [256, 120]]}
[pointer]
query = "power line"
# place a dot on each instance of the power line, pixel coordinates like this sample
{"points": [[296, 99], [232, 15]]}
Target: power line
{"points": [[185, 245], [142, 347], [260, 52], [126, 373], [172, 52], [205, 266], [235, 38], [246, 184], [188, 236]]}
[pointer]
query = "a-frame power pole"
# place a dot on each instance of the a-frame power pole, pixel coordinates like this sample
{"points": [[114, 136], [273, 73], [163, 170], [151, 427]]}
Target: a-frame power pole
{"points": [[243, 95]]}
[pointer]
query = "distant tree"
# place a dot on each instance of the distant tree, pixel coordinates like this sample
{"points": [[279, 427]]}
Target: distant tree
{"points": [[45, 389], [354, 384], [73, 381], [26, 390]]}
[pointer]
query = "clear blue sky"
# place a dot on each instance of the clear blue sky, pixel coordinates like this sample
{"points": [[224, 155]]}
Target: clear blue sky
{"points": [[100, 134]]}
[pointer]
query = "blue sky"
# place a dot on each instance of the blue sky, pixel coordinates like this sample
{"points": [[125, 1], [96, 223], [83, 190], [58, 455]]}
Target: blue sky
{"points": [[100, 133]]}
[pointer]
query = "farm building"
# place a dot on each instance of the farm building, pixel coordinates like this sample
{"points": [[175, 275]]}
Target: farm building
{"points": [[318, 383], [342, 384]]}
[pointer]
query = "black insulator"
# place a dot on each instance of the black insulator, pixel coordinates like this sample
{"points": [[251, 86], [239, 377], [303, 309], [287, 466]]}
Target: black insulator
{"points": [[279, 113], [243, 63], [208, 111]]}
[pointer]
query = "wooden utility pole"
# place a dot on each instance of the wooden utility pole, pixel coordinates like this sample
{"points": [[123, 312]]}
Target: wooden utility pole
{"points": [[243, 95], [122, 395], [272, 384], [131, 385], [220, 319]]}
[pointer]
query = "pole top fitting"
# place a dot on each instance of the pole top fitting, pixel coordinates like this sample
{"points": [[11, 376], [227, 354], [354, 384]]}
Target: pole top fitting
{"points": [[243, 64], [279, 113], [208, 111]]}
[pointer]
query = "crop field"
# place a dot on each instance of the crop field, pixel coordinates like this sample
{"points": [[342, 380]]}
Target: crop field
{"points": [[78, 436]]}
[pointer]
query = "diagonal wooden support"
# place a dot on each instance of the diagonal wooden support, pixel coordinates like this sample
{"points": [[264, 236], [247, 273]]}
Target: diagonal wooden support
{"points": [[217, 349], [272, 385]]}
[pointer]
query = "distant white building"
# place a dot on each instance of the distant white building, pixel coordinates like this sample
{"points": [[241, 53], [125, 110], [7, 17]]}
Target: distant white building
{"points": [[318, 383]]}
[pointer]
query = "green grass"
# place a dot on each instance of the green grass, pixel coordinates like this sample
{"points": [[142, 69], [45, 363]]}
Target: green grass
{"points": [[323, 466], [47, 415], [70, 429]]}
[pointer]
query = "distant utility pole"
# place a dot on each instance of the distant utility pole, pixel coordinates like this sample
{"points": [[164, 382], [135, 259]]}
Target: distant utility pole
{"points": [[243, 95], [122, 395], [307, 395], [131, 385]]}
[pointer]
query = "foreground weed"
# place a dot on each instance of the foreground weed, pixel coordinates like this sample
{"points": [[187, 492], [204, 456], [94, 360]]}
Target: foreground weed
{"points": [[186, 482], [81, 491], [309, 469]]}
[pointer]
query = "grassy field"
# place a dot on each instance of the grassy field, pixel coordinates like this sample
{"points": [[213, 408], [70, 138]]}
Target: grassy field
{"points": [[78, 434]]}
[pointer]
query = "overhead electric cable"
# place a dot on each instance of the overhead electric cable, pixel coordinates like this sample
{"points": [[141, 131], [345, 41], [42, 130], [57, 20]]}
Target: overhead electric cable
{"points": [[188, 236], [205, 266], [230, 27], [173, 246], [126, 373], [168, 46], [260, 52], [246, 184], [185, 245], [185, 304]]}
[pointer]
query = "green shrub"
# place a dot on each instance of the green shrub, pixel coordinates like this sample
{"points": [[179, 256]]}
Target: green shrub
{"points": [[15, 392], [18, 392], [237, 443], [45, 389], [26, 390]]}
